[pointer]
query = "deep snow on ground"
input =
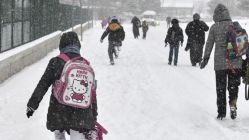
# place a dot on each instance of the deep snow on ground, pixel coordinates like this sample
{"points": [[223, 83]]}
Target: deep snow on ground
{"points": [[140, 97]]}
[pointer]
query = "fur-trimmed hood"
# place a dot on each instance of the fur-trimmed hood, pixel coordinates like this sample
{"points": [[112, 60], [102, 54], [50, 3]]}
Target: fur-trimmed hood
{"points": [[114, 26]]}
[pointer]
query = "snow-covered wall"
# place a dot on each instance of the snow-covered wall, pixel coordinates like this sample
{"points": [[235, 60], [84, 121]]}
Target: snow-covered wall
{"points": [[15, 60]]}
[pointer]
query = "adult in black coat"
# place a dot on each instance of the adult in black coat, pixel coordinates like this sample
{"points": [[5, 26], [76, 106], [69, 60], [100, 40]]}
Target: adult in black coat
{"points": [[116, 35], [136, 24], [195, 31], [60, 117]]}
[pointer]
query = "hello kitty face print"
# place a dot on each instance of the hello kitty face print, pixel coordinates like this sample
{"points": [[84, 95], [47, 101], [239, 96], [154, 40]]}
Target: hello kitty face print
{"points": [[79, 88]]}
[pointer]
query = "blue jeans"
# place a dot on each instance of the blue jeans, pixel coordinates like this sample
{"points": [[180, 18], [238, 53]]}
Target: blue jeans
{"points": [[174, 49], [111, 49]]}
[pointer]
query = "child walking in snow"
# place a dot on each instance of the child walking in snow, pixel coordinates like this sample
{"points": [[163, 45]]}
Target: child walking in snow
{"points": [[145, 28], [174, 38], [62, 117], [116, 36]]}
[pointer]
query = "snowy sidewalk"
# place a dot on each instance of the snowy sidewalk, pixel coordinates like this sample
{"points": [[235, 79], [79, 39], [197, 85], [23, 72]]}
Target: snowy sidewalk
{"points": [[141, 97]]}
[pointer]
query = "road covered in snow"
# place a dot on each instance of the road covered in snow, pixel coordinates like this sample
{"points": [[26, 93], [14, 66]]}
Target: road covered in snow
{"points": [[141, 97]]}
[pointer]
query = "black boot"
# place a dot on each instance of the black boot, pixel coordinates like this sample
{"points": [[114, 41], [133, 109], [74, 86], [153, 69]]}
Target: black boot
{"points": [[221, 116], [233, 112], [112, 62]]}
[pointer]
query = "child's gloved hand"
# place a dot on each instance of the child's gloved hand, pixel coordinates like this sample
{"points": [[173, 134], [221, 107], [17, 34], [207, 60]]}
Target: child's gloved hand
{"points": [[166, 44], [101, 40], [29, 111]]}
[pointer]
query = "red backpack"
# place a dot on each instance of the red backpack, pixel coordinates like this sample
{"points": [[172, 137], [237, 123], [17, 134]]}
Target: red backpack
{"points": [[76, 86]]}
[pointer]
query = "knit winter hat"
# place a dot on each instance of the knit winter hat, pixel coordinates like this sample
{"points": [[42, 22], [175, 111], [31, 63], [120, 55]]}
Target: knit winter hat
{"points": [[174, 21], [69, 39], [196, 16], [114, 19]]}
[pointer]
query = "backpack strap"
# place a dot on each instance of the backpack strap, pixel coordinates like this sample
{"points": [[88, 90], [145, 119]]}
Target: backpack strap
{"points": [[63, 57], [230, 66], [66, 58]]}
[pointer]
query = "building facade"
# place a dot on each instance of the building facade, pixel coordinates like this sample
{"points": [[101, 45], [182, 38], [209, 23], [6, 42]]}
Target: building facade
{"points": [[178, 10]]}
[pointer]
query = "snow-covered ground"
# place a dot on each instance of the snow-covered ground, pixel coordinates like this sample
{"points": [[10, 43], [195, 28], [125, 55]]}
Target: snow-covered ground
{"points": [[140, 98]]}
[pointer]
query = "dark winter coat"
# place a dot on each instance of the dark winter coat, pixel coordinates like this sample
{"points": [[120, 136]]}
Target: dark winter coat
{"points": [[218, 36], [61, 117], [174, 35], [115, 31], [136, 24], [145, 26], [195, 31]]}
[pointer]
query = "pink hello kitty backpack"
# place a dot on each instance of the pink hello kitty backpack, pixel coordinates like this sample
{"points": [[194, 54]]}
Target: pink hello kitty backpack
{"points": [[76, 86]]}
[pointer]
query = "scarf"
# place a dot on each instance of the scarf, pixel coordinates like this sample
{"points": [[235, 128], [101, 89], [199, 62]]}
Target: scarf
{"points": [[70, 49]]}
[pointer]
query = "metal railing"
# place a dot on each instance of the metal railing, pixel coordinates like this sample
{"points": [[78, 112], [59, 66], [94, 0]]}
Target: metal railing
{"points": [[23, 21]]}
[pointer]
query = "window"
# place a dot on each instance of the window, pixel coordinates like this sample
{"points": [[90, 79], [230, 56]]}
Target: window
{"points": [[18, 10], [26, 9], [26, 31], [6, 11], [17, 33], [26, 21], [6, 37]]}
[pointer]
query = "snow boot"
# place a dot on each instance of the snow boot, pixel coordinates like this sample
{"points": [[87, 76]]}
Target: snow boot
{"points": [[221, 116], [112, 62], [233, 112], [233, 108]]}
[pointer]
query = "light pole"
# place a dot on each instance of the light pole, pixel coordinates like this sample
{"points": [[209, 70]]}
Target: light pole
{"points": [[73, 4], [92, 11], [88, 14], [81, 14]]}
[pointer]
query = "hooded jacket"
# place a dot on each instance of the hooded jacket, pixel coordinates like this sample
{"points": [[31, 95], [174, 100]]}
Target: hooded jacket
{"points": [[115, 31], [174, 34], [218, 36]]}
